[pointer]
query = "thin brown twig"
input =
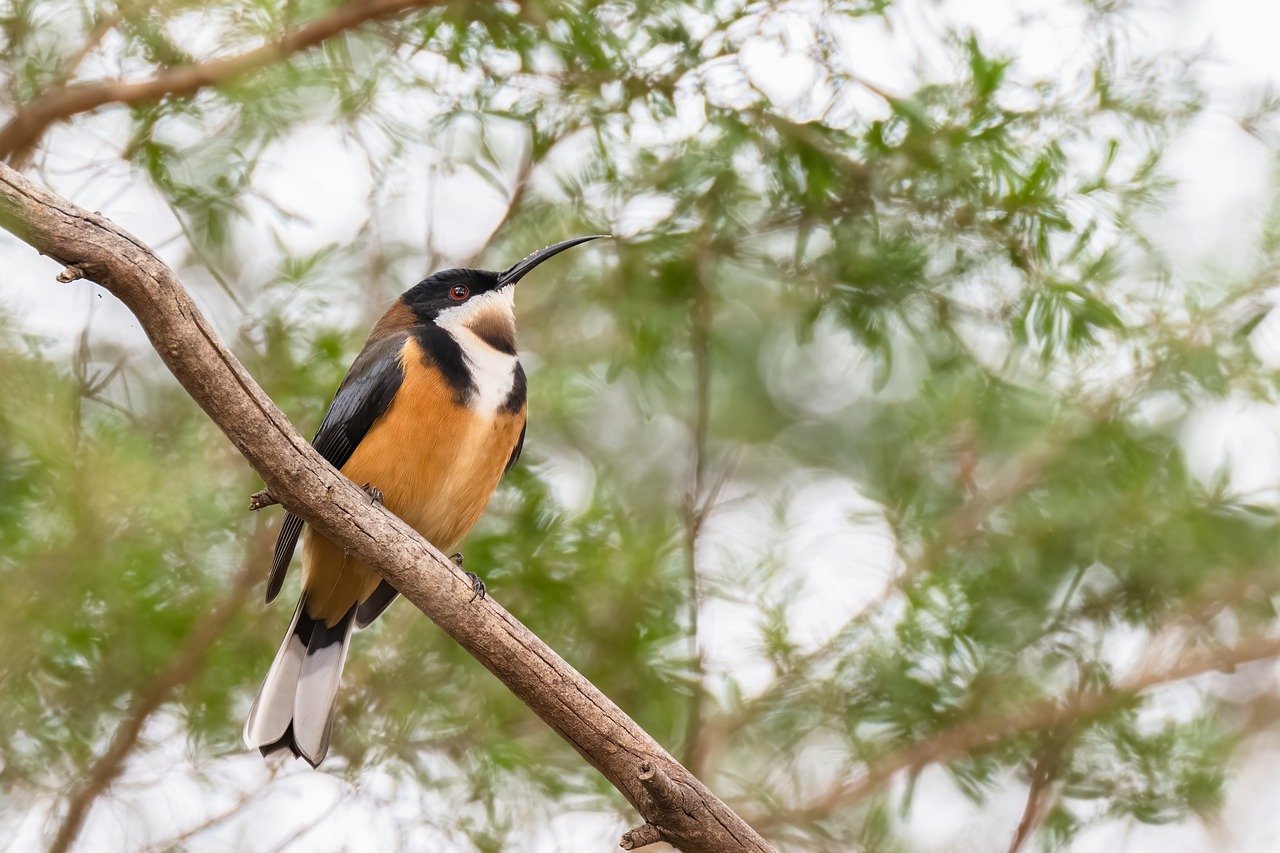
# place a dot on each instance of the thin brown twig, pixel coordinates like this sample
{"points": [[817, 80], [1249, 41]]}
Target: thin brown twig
{"points": [[700, 501], [175, 842], [25, 128], [515, 202], [210, 267], [181, 668], [1042, 771], [105, 24], [308, 826], [980, 735], [261, 499]]}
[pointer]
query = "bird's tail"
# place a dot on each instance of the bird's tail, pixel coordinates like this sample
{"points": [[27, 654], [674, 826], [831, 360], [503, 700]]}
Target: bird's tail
{"points": [[294, 708]]}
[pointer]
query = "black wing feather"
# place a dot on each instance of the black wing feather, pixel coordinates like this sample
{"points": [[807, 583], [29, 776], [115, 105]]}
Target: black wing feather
{"points": [[366, 392], [515, 452], [371, 608]]}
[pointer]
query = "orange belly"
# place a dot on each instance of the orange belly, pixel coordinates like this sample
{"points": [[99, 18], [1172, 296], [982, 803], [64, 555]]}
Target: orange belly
{"points": [[437, 464]]}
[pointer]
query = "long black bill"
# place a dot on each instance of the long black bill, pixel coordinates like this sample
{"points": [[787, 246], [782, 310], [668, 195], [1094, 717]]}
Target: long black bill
{"points": [[518, 271]]}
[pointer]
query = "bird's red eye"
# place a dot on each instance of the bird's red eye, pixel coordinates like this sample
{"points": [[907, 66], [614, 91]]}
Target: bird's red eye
{"points": [[459, 292]]}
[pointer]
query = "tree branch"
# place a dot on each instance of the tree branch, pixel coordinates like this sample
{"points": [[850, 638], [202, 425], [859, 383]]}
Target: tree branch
{"points": [[1041, 778], [981, 735], [184, 665], [261, 499], [306, 484], [19, 156], [697, 505], [967, 522], [217, 819], [59, 103]]}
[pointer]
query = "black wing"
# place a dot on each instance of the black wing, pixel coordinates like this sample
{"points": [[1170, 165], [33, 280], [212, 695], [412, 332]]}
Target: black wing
{"points": [[364, 395]]}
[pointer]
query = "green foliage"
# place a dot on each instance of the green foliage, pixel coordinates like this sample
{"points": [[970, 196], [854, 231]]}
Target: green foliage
{"points": [[950, 304]]}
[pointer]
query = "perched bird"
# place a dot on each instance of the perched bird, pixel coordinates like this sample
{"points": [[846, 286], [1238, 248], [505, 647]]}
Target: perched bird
{"points": [[429, 417]]}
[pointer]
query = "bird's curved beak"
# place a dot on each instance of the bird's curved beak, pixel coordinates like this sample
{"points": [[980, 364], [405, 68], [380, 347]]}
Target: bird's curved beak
{"points": [[517, 272]]}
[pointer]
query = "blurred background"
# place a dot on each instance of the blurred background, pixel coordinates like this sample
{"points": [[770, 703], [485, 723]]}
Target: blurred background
{"points": [[908, 465]]}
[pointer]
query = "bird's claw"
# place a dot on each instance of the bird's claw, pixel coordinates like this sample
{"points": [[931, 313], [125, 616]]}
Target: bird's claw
{"points": [[478, 589], [374, 493]]}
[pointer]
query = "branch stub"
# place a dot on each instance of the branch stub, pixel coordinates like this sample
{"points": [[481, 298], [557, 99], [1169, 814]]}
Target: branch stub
{"points": [[641, 836]]}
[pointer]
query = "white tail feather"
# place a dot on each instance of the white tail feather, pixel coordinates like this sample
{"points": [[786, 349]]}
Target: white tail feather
{"points": [[300, 688], [273, 708], [318, 687]]}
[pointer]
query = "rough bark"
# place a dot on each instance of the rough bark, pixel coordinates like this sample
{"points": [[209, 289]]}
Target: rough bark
{"points": [[682, 810]]}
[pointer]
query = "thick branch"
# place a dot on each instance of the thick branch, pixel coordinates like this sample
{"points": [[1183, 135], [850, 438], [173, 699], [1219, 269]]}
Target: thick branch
{"points": [[306, 484], [61, 102]]}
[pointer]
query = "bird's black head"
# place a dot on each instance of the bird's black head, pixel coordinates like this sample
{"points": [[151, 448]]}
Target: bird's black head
{"points": [[449, 289]]}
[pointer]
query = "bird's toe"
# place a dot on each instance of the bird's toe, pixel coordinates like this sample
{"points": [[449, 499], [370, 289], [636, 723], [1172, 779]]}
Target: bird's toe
{"points": [[478, 589]]}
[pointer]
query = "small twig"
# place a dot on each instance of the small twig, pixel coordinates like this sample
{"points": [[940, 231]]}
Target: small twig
{"points": [[178, 841], [515, 202], [69, 68], [261, 499], [697, 506], [70, 274], [1041, 776], [290, 841], [194, 245], [641, 836], [659, 786]]}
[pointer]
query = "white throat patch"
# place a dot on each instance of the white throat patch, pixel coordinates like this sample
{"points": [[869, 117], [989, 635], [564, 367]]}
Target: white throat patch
{"points": [[502, 301], [493, 372]]}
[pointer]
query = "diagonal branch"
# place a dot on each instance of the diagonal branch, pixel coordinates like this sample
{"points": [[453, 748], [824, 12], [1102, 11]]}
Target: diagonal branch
{"points": [[217, 819], [93, 247], [1038, 805], [981, 735], [59, 103], [184, 665]]}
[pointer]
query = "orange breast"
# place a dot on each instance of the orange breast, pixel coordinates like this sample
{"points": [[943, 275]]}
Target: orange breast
{"points": [[437, 464]]}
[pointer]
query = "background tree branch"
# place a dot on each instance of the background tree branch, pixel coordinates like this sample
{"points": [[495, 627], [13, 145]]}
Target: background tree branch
{"points": [[691, 817], [61, 102], [182, 667], [979, 735]]}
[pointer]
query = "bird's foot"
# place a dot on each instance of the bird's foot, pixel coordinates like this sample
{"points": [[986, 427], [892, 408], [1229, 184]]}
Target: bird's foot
{"points": [[478, 589], [374, 493]]}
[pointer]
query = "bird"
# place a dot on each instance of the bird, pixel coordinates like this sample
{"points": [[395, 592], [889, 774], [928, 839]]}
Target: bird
{"points": [[429, 417]]}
